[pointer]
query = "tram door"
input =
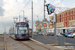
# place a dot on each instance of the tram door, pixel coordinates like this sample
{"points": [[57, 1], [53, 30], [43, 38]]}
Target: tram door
{"points": [[63, 30]]}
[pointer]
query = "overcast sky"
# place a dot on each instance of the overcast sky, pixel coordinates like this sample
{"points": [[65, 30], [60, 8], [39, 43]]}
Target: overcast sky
{"points": [[13, 8]]}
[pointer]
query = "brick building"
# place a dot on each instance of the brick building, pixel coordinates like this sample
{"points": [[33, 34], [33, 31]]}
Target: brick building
{"points": [[65, 21]]}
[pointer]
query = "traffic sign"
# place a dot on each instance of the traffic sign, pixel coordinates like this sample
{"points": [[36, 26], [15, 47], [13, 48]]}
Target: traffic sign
{"points": [[45, 24]]}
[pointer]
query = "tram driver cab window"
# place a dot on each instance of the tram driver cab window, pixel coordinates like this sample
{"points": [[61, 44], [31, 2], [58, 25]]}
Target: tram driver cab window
{"points": [[22, 30]]}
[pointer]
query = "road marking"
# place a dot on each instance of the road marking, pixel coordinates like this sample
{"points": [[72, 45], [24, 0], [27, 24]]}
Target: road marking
{"points": [[50, 44], [50, 39], [67, 43], [60, 47]]}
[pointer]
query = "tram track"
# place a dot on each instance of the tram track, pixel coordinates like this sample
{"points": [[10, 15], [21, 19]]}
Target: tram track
{"points": [[26, 45], [33, 42], [32, 45]]}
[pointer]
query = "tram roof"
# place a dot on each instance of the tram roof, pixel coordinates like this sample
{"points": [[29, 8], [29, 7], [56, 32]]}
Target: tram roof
{"points": [[21, 23]]}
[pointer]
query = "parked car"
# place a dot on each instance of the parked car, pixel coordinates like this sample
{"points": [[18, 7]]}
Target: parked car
{"points": [[46, 33], [49, 33], [72, 35], [59, 34], [63, 34], [52, 34], [67, 34], [39, 33]]}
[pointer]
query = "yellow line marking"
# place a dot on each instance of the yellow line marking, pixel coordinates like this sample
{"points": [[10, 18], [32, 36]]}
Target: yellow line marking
{"points": [[50, 44], [67, 43], [59, 47]]}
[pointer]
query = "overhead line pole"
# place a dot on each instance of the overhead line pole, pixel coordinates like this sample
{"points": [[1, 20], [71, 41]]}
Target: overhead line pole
{"points": [[23, 15], [32, 18], [44, 17], [55, 29], [19, 18]]}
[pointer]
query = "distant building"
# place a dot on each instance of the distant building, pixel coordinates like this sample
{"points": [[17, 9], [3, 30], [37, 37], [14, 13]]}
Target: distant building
{"points": [[39, 27]]}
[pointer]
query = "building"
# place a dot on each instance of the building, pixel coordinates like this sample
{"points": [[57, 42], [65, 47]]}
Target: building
{"points": [[65, 21], [39, 27]]}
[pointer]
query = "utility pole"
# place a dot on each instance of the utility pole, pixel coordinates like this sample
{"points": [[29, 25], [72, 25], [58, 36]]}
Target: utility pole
{"points": [[55, 29], [19, 18], [32, 18], [44, 17], [23, 15]]}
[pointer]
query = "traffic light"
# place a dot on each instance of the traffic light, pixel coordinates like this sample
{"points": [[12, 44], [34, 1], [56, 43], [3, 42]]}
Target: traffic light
{"points": [[50, 9]]}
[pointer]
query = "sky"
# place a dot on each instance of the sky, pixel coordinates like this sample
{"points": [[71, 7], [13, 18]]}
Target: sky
{"points": [[10, 9]]}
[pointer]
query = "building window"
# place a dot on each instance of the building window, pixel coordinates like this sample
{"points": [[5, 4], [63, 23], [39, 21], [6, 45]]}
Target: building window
{"points": [[67, 13], [73, 17], [71, 12], [67, 19], [70, 18]]}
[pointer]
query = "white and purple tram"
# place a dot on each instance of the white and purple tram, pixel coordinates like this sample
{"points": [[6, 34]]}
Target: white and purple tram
{"points": [[20, 30]]}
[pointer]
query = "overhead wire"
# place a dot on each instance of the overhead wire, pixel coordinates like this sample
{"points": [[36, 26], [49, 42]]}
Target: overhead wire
{"points": [[25, 6], [59, 2]]}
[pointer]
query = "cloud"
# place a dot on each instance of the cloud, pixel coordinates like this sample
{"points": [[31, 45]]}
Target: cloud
{"points": [[1, 8]]}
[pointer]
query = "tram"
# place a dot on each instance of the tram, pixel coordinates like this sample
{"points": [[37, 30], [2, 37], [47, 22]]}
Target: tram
{"points": [[19, 30]]}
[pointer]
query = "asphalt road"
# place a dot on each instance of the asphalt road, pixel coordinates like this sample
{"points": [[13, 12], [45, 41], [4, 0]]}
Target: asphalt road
{"points": [[51, 40]]}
